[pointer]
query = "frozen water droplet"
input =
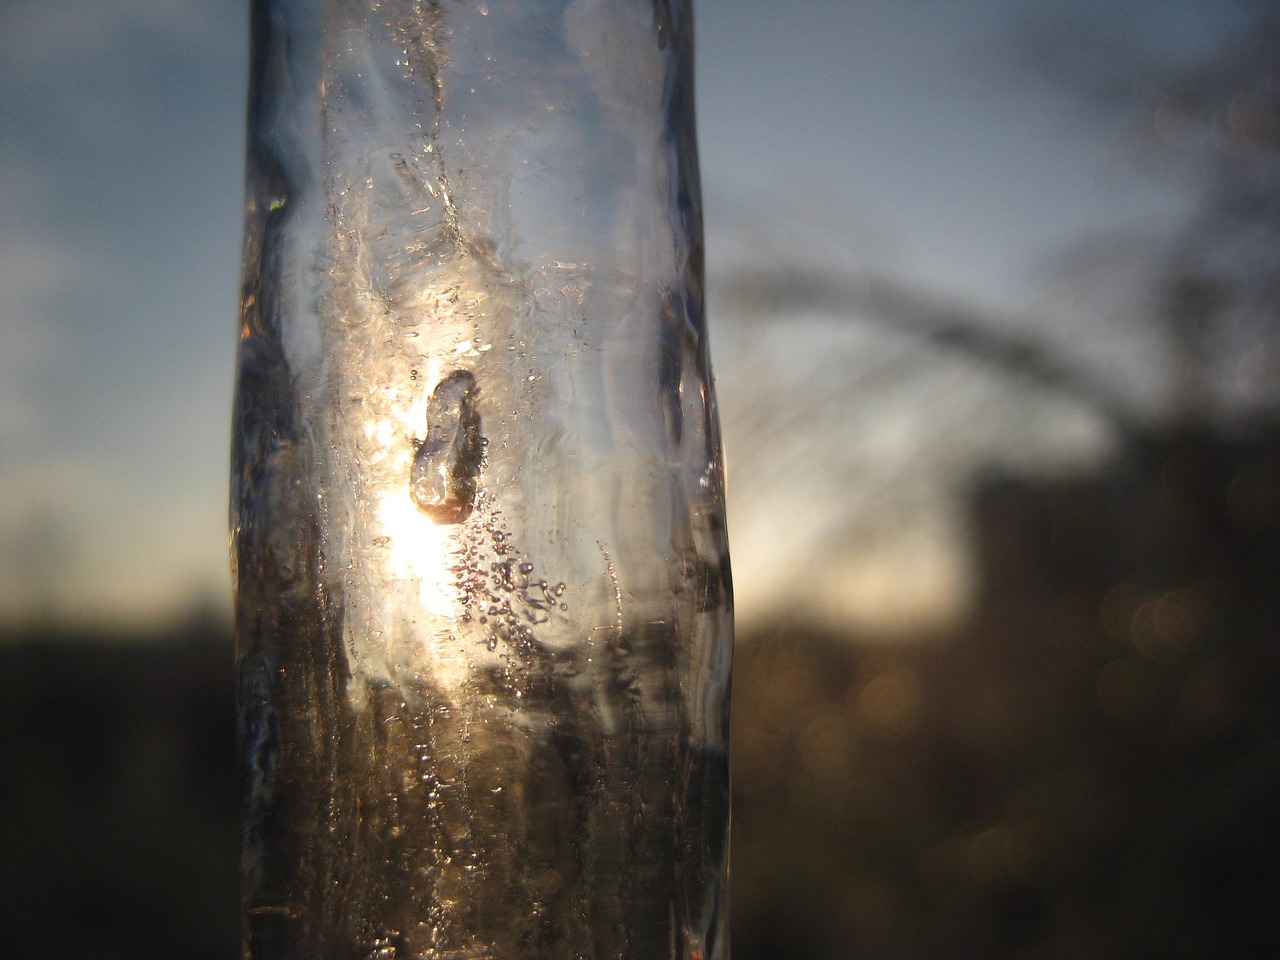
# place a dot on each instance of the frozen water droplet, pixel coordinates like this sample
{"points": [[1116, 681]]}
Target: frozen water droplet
{"points": [[442, 480]]}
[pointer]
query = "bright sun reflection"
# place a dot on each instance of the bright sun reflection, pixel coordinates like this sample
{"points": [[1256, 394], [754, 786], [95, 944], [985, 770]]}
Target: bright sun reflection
{"points": [[418, 551], [405, 600]]}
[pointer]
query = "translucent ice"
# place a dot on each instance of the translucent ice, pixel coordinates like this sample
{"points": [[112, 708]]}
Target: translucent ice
{"points": [[484, 608]]}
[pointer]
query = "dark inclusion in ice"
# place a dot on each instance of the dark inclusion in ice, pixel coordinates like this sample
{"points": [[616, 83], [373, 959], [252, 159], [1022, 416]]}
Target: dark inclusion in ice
{"points": [[442, 480]]}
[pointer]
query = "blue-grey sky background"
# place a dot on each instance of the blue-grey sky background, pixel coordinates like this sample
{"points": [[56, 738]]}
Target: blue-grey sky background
{"points": [[910, 137]]}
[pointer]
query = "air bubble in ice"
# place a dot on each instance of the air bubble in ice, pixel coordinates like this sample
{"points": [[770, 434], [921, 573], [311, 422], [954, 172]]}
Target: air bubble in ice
{"points": [[442, 480]]}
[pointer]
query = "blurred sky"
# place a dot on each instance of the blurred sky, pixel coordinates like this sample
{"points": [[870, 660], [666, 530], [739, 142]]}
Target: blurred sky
{"points": [[912, 135]]}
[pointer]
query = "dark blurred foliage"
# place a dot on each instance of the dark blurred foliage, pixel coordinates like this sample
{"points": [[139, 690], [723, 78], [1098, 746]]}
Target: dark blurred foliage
{"points": [[1090, 767], [118, 796]]}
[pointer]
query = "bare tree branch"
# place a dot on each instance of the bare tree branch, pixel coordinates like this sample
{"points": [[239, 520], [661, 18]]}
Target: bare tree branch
{"points": [[899, 308]]}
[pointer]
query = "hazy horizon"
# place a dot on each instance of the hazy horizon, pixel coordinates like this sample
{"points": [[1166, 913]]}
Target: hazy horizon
{"points": [[907, 140]]}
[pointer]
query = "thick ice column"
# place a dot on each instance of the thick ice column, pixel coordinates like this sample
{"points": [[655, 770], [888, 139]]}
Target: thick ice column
{"points": [[483, 593]]}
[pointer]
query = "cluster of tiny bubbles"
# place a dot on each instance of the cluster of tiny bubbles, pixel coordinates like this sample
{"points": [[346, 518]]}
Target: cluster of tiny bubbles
{"points": [[502, 592]]}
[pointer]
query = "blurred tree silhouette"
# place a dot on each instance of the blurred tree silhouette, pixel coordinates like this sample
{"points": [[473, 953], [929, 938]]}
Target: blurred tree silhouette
{"points": [[118, 793], [1214, 128], [1195, 341], [1087, 766]]}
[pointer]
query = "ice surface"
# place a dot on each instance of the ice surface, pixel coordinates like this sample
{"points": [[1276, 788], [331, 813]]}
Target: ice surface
{"points": [[483, 591]]}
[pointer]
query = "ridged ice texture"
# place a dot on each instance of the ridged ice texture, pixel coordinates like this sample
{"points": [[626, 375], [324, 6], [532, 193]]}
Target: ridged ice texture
{"points": [[483, 592]]}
